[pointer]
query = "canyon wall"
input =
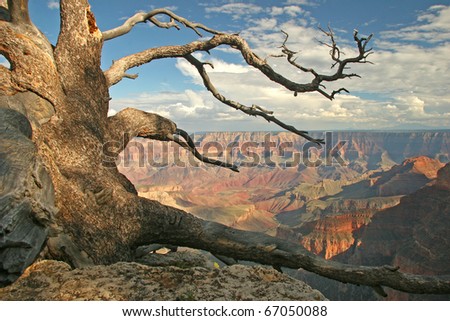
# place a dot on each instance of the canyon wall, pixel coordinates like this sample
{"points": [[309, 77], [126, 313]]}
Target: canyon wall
{"points": [[358, 199]]}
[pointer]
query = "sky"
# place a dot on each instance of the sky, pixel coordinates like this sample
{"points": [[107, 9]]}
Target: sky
{"points": [[406, 87]]}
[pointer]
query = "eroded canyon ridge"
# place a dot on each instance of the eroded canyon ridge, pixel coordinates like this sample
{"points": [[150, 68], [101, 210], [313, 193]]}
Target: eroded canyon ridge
{"points": [[368, 198]]}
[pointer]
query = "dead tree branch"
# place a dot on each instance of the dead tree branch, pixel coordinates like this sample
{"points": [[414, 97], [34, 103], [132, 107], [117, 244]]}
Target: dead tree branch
{"points": [[290, 55], [187, 230], [118, 69], [252, 111], [189, 145], [18, 10], [130, 123], [335, 54], [142, 17]]}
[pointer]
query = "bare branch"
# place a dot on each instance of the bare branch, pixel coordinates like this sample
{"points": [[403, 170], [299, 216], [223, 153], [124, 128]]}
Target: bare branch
{"points": [[184, 229], [335, 54], [252, 111], [116, 72], [189, 145], [118, 69], [289, 54], [130, 123], [331, 96], [142, 17]]}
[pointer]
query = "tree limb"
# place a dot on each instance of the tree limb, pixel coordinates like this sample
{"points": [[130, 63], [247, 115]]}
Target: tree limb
{"points": [[29, 55], [190, 146], [118, 69], [180, 228], [18, 10], [335, 54], [116, 72], [130, 123], [141, 17], [252, 111]]}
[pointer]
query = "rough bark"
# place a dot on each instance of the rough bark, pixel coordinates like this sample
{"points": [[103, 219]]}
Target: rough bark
{"points": [[84, 208], [26, 196]]}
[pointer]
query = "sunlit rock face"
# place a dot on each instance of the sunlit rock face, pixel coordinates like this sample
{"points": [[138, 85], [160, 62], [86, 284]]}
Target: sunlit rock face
{"points": [[280, 193], [53, 280], [412, 235]]}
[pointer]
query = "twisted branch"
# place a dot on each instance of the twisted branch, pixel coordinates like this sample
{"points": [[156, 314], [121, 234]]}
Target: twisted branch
{"points": [[118, 69], [189, 145], [290, 55], [252, 111], [130, 123], [142, 17], [18, 10], [335, 54], [184, 229]]}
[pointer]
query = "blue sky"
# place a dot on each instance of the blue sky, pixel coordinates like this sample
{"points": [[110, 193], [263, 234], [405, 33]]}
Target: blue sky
{"points": [[406, 88]]}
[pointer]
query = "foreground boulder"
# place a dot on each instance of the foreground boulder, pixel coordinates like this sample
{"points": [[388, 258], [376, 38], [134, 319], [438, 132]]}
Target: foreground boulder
{"points": [[55, 280]]}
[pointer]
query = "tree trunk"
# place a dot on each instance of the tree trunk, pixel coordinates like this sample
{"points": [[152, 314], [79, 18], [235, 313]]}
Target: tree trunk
{"points": [[62, 196]]}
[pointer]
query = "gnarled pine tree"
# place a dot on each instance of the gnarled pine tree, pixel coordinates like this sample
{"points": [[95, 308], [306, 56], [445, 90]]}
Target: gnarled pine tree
{"points": [[60, 199]]}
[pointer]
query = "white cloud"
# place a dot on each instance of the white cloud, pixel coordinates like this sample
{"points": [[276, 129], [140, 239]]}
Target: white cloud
{"points": [[236, 9], [220, 66], [53, 4], [291, 10], [239, 10], [300, 2], [263, 24], [432, 26], [196, 100], [225, 67], [111, 112], [276, 11]]}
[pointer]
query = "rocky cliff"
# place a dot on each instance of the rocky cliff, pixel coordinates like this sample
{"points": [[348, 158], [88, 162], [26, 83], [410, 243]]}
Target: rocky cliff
{"points": [[53, 280], [321, 205], [412, 235]]}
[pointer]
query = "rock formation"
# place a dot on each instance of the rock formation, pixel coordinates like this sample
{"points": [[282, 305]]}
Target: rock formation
{"points": [[412, 235], [321, 205], [54, 280]]}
